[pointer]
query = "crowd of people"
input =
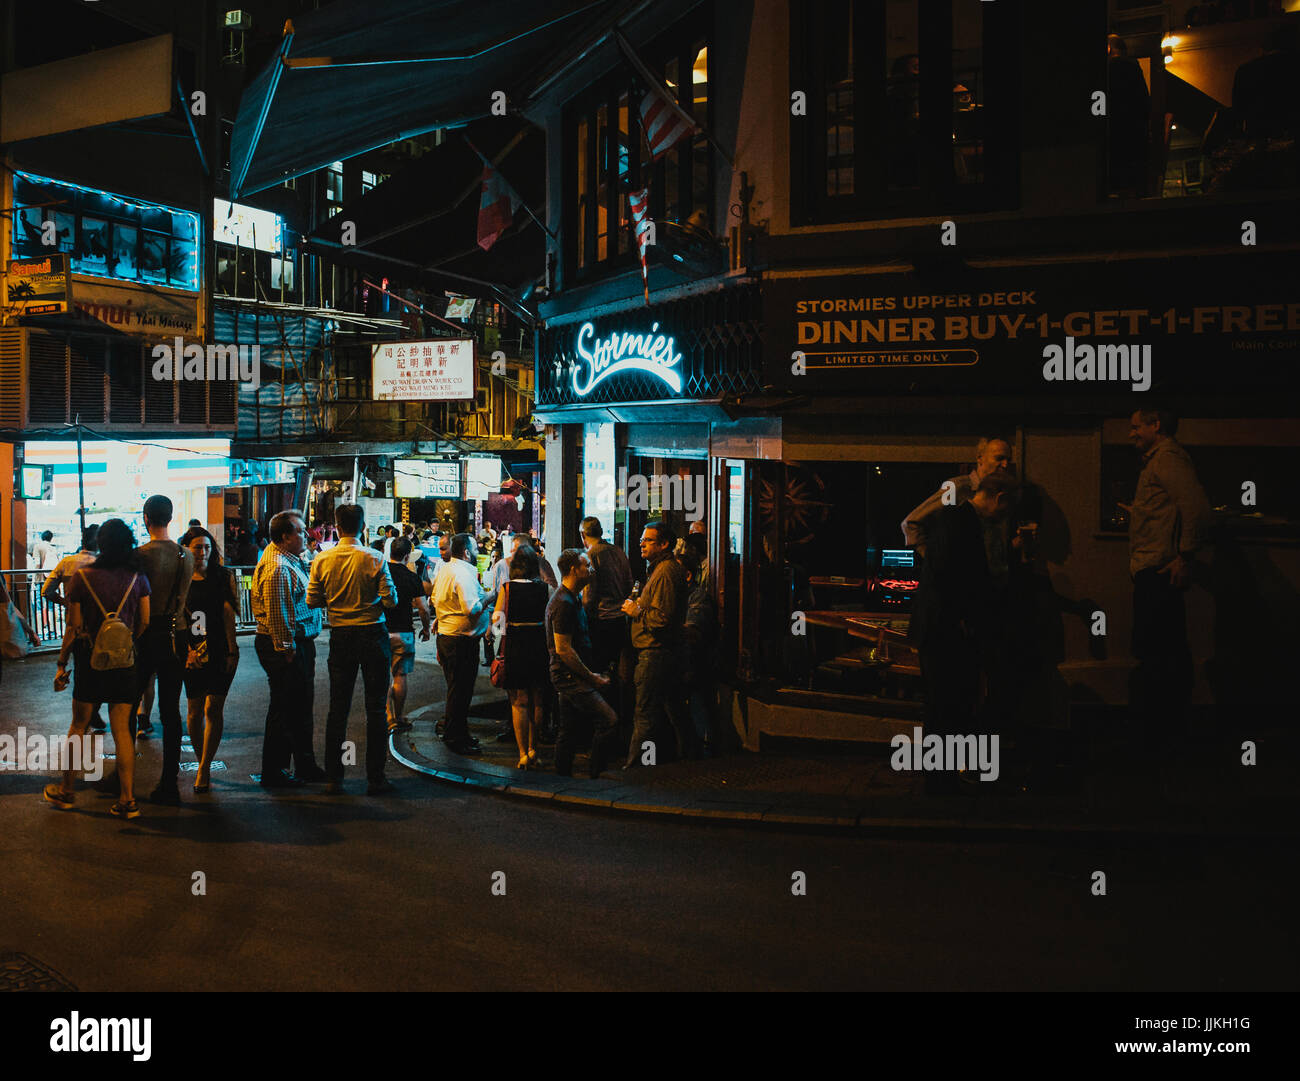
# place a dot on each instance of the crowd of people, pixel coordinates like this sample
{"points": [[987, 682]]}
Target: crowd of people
{"points": [[584, 653]]}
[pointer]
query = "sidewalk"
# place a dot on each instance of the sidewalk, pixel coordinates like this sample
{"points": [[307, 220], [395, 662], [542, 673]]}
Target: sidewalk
{"points": [[1209, 794]]}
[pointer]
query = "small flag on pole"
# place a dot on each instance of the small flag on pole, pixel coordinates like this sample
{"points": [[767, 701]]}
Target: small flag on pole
{"points": [[496, 207], [664, 126], [641, 227]]}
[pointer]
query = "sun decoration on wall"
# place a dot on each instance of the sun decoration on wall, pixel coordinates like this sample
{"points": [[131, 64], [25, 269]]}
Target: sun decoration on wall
{"points": [[801, 510]]}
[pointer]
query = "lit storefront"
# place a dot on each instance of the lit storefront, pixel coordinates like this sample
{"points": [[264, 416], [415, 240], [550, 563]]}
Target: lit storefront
{"points": [[119, 475]]}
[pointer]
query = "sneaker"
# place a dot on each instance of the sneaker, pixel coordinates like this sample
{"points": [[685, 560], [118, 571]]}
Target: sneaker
{"points": [[381, 788], [311, 775], [97, 723], [125, 810], [401, 725], [143, 729], [56, 797]]}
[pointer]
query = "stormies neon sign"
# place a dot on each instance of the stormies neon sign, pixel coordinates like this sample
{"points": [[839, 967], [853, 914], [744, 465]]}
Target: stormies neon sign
{"points": [[650, 353]]}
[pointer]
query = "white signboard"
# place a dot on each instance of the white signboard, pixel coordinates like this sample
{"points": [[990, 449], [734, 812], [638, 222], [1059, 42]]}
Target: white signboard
{"points": [[418, 478], [379, 512], [233, 223], [598, 474], [442, 370], [482, 477]]}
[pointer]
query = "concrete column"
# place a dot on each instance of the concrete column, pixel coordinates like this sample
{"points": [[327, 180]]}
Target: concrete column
{"points": [[560, 524]]}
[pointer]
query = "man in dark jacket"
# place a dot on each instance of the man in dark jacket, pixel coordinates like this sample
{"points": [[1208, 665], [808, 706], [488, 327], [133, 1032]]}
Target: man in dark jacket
{"points": [[954, 609], [658, 620]]}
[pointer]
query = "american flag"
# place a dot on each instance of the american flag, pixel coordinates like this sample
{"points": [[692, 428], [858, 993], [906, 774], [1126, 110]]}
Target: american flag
{"points": [[664, 127], [640, 204]]}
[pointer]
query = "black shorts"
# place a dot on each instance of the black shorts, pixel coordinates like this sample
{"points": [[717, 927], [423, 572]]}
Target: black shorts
{"points": [[110, 688], [211, 679]]}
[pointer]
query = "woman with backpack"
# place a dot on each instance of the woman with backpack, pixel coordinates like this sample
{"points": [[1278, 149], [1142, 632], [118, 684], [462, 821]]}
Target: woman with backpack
{"points": [[208, 649], [521, 611], [108, 610]]}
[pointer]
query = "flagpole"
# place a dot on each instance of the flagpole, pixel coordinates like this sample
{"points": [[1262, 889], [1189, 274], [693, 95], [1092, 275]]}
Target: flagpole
{"points": [[657, 84], [522, 201]]}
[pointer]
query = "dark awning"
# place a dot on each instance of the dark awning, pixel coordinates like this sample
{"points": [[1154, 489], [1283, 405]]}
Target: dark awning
{"points": [[357, 75]]}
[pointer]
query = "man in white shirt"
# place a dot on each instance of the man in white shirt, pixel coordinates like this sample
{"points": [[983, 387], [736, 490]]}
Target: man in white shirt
{"points": [[463, 610]]}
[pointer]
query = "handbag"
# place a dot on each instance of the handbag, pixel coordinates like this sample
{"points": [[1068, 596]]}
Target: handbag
{"points": [[15, 635], [498, 671]]}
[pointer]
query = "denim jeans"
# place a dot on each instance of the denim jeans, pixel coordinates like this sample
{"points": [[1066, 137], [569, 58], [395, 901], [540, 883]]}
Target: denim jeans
{"points": [[155, 654], [365, 649]]}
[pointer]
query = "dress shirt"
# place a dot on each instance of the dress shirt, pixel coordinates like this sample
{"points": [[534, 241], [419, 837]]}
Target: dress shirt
{"points": [[280, 599], [64, 570], [458, 600], [352, 584], [1171, 515]]}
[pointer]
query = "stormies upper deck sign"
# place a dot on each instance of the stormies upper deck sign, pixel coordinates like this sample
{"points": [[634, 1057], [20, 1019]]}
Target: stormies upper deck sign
{"points": [[1196, 324]]}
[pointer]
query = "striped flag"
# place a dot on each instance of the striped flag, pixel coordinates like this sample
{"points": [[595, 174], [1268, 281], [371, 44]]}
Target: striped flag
{"points": [[664, 126], [640, 204], [496, 207]]}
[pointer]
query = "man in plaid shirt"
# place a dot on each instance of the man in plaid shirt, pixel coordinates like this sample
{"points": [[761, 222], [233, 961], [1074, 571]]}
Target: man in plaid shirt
{"points": [[286, 648]]}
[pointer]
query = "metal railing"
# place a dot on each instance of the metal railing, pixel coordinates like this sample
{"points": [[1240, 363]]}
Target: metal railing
{"points": [[48, 620]]}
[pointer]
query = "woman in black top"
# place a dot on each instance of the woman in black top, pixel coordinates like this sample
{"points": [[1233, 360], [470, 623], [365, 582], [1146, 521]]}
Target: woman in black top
{"points": [[208, 648], [521, 612]]}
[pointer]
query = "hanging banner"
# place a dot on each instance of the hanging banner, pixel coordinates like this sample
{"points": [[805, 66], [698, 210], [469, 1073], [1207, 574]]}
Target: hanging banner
{"points": [[1204, 323], [149, 312]]}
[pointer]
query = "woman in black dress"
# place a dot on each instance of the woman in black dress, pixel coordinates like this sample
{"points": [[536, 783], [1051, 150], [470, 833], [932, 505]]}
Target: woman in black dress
{"points": [[521, 613], [208, 648]]}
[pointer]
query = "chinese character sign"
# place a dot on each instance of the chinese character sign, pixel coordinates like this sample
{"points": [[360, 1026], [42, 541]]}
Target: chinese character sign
{"points": [[425, 371]]}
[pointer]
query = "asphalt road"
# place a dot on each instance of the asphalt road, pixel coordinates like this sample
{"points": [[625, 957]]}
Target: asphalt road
{"points": [[310, 892]]}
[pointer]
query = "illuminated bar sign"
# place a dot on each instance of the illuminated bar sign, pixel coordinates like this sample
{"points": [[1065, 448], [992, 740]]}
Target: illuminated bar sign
{"points": [[652, 353], [442, 370]]}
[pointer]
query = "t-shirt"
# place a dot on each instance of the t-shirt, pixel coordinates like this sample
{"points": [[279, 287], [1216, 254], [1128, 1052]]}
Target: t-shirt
{"points": [[162, 561], [109, 586], [408, 587], [564, 614]]}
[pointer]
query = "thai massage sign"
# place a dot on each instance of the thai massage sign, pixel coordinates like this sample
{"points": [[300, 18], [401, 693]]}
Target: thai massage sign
{"points": [[442, 370], [601, 358]]}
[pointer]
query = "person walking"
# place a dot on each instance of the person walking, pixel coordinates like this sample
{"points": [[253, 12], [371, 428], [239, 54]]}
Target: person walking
{"points": [[115, 580], [352, 584], [463, 609], [209, 649], [611, 638], [169, 568], [520, 612], [55, 583], [581, 707], [658, 618], [401, 630], [286, 649], [1169, 523]]}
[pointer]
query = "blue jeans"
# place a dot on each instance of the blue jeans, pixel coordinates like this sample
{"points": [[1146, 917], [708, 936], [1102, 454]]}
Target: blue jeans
{"points": [[351, 649]]}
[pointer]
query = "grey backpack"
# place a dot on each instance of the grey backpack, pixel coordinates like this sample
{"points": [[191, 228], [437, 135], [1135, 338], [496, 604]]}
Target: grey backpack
{"points": [[114, 645]]}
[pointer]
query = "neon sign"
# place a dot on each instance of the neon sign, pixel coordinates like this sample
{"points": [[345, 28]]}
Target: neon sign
{"points": [[650, 353]]}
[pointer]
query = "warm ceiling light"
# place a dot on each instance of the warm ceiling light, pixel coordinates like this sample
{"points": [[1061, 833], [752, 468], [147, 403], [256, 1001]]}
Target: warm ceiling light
{"points": [[700, 72]]}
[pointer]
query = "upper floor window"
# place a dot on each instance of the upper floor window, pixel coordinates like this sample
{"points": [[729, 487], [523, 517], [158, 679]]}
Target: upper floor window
{"points": [[106, 235], [911, 108], [607, 156]]}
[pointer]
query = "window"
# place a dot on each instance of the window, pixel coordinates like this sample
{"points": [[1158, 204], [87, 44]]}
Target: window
{"points": [[911, 107], [607, 157], [106, 235], [1207, 107], [371, 180]]}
